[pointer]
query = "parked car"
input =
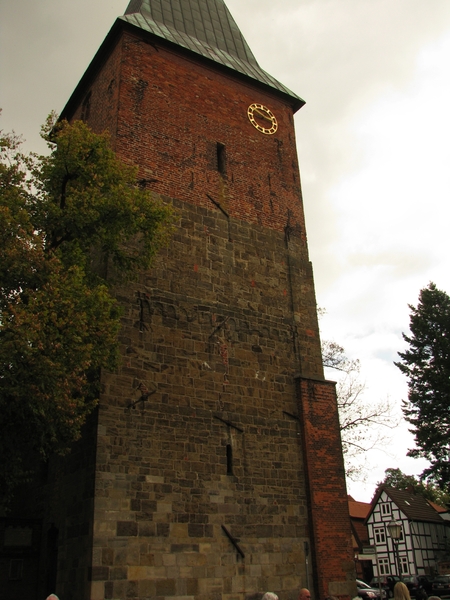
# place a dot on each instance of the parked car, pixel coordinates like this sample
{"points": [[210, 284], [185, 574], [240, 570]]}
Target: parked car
{"points": [[412, 583], [441, 586], [387, 583], [369, 593], [425, 582]]}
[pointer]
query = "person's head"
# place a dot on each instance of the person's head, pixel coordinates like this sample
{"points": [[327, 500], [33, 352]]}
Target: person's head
{"points": [[304, 594], [52, 597], [269, 596], [401, 592]]}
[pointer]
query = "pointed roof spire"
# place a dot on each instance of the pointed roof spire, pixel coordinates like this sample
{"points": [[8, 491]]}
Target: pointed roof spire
{"points": [[205, 27]]}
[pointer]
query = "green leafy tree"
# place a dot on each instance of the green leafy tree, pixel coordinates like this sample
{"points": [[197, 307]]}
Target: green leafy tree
{"points": [[426, 364], [395, 478], [71, 223]]}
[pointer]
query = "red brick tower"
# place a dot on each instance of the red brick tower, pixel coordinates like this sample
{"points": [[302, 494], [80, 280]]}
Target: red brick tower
{"points": [[214, 468]]}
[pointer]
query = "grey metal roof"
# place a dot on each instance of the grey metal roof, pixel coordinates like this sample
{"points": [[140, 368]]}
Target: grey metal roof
{"points": [[205, 27]]}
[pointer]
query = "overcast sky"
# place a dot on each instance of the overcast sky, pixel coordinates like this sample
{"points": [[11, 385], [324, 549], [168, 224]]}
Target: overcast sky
{"points": [[373, 143]]}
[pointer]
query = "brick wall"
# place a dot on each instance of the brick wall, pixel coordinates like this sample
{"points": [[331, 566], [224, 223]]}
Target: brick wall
{"points": [[334, 569], [171, 113]]}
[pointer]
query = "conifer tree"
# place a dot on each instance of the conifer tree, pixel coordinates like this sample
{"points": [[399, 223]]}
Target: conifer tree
{"points": [[426, 364]]}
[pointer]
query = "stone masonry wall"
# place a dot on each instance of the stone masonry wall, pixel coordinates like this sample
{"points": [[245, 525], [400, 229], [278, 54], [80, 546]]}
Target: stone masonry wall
{"points": [[212, 441]]}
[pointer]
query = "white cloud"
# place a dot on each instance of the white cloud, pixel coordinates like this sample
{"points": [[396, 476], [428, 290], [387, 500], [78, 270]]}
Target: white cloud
{"points": [[390, 235]]}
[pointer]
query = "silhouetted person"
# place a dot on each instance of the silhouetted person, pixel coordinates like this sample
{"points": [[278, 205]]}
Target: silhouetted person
{"points": [[304, 594]]}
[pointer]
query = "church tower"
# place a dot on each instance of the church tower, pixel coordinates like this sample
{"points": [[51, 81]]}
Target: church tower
{"points": [[213, 468]]}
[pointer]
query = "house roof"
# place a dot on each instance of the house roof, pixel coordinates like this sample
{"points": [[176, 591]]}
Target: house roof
{"points": [[360, 532], [207, 28], [414, 506], [358, 510], [437, 508]]}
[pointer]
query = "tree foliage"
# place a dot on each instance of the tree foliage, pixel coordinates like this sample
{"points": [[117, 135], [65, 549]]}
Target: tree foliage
{"points": [[395, 478], [426, 364], [70, 223], [362, 424]]}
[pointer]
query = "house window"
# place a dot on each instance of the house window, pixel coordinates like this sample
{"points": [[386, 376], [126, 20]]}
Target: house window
{"points": [[379, 535], [385, 508], [404, 565], [383, 565]]}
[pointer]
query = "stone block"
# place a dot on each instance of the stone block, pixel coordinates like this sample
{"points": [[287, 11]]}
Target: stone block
{"points": [[99, 573], [165, 587], [97, 590], [127, 528], [138, 573]]}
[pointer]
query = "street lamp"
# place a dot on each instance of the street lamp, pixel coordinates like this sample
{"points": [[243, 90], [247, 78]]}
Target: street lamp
{"points": [[395, 531]]}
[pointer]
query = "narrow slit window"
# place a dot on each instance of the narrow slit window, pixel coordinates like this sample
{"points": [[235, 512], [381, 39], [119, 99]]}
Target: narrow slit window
{"points": [[229, 460], [221, 159]]}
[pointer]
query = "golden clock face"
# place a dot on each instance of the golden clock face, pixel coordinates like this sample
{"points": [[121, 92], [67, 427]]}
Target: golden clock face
{"points": [[262, 118]]}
